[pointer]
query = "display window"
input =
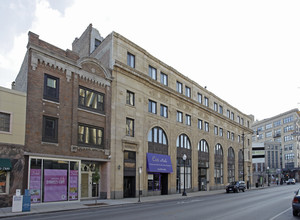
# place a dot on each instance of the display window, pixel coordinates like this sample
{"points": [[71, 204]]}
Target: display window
{"points": [[53, 180], [154, 182]]}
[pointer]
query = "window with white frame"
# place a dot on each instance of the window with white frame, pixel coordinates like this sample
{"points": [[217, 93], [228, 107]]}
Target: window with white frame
{"points": [[179, 117], [199, 96], [206, 102], [152, 106], [200, 124], [179, 87], [206, 126], [130, 60], [152, 72], [188, 91], [163, 111], [5, 119], [188, 120], [288, 119], [215, 106], [163, 79]]}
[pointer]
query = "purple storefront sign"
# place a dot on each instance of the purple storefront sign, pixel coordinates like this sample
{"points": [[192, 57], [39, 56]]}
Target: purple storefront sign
{"points": [[158, 163], [73, 186], [35, 185], [55, 185]]}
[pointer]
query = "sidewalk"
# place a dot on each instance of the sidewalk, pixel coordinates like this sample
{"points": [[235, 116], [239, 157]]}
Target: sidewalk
{"points": [[63, 206]]}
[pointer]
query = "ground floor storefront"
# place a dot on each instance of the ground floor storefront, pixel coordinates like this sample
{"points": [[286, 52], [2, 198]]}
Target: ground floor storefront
{"points": [[53, 179]]}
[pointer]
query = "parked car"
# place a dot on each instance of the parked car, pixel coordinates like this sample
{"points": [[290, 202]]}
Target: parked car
{"points": [[296, 203], [236, 186], [291, 181]]}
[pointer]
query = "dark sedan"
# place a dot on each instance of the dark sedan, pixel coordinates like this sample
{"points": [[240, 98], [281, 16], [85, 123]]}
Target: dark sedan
{"points": [[296, 203], [236, 186]]}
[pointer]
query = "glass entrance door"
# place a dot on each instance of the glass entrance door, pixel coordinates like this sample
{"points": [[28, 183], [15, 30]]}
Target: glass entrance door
{"points": [[85, 185]]}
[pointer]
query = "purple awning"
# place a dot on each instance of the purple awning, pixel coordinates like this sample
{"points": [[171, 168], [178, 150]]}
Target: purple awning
{"points": [[158, 163]]}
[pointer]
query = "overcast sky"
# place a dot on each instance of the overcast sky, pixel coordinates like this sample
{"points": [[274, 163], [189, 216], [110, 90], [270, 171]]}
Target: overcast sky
{"points": [[245, 52]]}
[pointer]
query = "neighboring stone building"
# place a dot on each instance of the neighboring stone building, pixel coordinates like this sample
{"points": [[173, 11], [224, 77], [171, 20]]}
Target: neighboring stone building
{"points": [[68, 110], [12, 139], [159, 115], [281, 130]]}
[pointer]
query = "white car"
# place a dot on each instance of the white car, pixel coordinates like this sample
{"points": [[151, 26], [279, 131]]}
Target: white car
{"points": [[291, 181]]}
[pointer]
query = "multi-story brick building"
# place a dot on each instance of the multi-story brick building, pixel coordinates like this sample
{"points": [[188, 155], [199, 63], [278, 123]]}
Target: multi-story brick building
{"points": [[67, 139], [158, 116], [280, 129], [12, 139]]}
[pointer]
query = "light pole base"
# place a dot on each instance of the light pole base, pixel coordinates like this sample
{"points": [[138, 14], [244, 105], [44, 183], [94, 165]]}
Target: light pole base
{"points": [[184, 193]]}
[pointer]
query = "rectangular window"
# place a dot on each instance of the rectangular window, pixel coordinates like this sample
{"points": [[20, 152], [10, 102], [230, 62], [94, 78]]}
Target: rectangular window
{"points": [[238, 119], [228, 134], [188, 91], [163, 111], [179, 87], [130, 60], [215, 106], [188, 120], [130, 127], [277, 123], [90, 136], [232, 116], [152, 72], [206, 102], [163, 79], [216, 130], [206, 126], [199, 98], [200, 124], [5, 122], [91, 100], [268, 126], [221, 109], [221, 132], [51, 88], [152, 106], [288, 119], [228, 113], [50, 129], [232, 136], [129, 98], [179, 117], [4, 182]]}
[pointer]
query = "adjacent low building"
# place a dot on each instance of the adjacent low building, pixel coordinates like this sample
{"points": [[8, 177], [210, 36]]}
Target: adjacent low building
{"points": [[12, 139]]}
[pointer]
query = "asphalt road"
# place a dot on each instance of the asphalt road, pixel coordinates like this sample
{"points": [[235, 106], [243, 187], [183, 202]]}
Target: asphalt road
{"points": [[272, 203]]}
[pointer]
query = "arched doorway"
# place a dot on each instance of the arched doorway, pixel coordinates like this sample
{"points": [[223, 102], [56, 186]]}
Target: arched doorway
{"points": [[218, 172], [203, 164], [183, 145], [158, 145], [231, 165]]}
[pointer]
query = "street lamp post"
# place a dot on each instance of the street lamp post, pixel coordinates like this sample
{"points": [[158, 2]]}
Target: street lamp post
{"points": [[140, 172], [243, 137], [184, 159], [268, 171]]}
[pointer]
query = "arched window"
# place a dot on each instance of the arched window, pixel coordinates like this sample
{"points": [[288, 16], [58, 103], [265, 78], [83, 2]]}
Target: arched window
{"points": [[203, 146], [231, 166], [183, 141], [157, 135], [157, 141], [184, 168], [218, 172]]}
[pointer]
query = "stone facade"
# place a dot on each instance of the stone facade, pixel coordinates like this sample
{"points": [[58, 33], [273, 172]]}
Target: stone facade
{"points": [[113, 52]]}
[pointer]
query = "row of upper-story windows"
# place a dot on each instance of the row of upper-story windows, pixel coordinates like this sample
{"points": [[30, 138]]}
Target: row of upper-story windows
{"points": [[87, 98], [276, 123], [185, 90]]}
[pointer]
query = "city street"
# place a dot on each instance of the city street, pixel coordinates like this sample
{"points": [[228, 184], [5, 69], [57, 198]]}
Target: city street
{"points": [[272, 203]]}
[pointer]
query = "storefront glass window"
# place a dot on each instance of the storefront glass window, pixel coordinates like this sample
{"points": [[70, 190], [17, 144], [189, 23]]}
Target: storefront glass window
{"points": [[35, 180], [3, 181], [153, 182]]}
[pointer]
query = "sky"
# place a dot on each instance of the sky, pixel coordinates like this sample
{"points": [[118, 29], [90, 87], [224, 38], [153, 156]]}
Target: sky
{"points": [[245, 52]]}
